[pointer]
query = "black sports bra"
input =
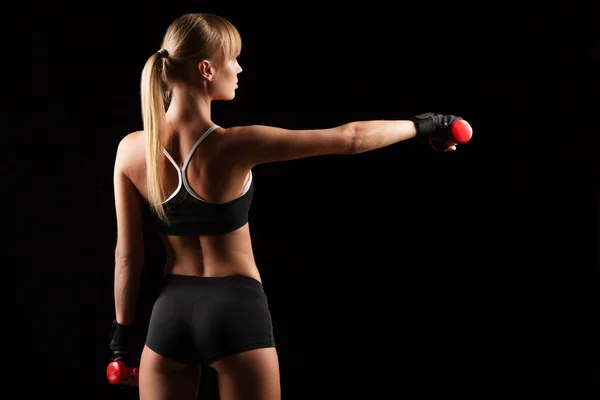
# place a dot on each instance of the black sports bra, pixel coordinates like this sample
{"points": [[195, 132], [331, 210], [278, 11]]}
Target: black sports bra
{"points": [[189, 214]]}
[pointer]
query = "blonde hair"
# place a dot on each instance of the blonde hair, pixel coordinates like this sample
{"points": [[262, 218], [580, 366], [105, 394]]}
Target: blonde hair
{"points": [[189, 39]]}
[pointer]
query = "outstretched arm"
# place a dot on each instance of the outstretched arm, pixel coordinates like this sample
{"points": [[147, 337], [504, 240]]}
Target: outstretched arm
{"points": [[129, 252], [259, 144]]}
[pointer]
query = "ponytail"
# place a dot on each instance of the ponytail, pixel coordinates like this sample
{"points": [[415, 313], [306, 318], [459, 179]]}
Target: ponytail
{"points": [[154, 120]]}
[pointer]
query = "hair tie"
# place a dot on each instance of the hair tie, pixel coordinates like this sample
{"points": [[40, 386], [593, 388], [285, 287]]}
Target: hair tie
{"points": [[163, 53]]}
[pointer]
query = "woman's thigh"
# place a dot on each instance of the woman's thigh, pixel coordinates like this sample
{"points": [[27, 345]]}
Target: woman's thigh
{"points": [[163, 379], [249, 375]]}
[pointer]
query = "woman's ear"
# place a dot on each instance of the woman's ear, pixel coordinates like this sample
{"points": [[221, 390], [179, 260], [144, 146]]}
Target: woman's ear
{"points": [[206, 70]]}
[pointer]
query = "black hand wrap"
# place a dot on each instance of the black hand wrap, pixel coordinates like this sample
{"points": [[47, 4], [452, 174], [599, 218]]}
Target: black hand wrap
{"points": [[434, 126], [123, 344]]}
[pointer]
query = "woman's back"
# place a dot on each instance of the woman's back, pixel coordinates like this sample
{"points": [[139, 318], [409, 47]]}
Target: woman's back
{"points": [[197, 171]]}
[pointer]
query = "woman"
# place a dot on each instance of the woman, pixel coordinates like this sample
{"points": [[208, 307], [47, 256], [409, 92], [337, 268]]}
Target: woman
{"points": [[196, 177]]}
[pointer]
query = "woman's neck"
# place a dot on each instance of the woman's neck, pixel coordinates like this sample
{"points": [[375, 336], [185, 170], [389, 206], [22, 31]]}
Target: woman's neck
{"points": [[188, 109]]}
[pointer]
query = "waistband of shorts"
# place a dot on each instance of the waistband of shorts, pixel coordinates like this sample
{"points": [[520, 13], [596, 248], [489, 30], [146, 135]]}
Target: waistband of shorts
{"points": [[211, 280]]}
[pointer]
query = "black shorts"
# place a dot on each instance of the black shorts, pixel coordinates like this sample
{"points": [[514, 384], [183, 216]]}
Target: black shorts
{"points": [[198, 320]]}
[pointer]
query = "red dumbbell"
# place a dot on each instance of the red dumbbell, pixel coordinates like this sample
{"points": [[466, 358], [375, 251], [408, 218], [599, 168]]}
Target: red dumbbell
{"points": [[460, 133], [117, 372]]}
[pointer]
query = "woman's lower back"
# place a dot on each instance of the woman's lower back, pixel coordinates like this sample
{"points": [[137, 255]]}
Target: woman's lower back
{"points": [[211, 256]]}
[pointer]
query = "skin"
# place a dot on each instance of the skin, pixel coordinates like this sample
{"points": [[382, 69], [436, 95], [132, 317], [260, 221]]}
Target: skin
{"points": [[218, 172]]}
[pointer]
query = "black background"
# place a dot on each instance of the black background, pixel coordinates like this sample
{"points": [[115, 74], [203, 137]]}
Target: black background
{"points": [[391, 274]]}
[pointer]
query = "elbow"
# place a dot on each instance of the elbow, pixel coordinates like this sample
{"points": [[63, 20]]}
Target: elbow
{"points": [[127, 268], [129, 261], [357, 137], [352, 138]]}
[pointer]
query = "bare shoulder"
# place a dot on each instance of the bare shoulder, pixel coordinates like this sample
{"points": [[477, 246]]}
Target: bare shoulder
{"points": [[131, 141], [131, 146], [235, 134], [130, 151]]}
